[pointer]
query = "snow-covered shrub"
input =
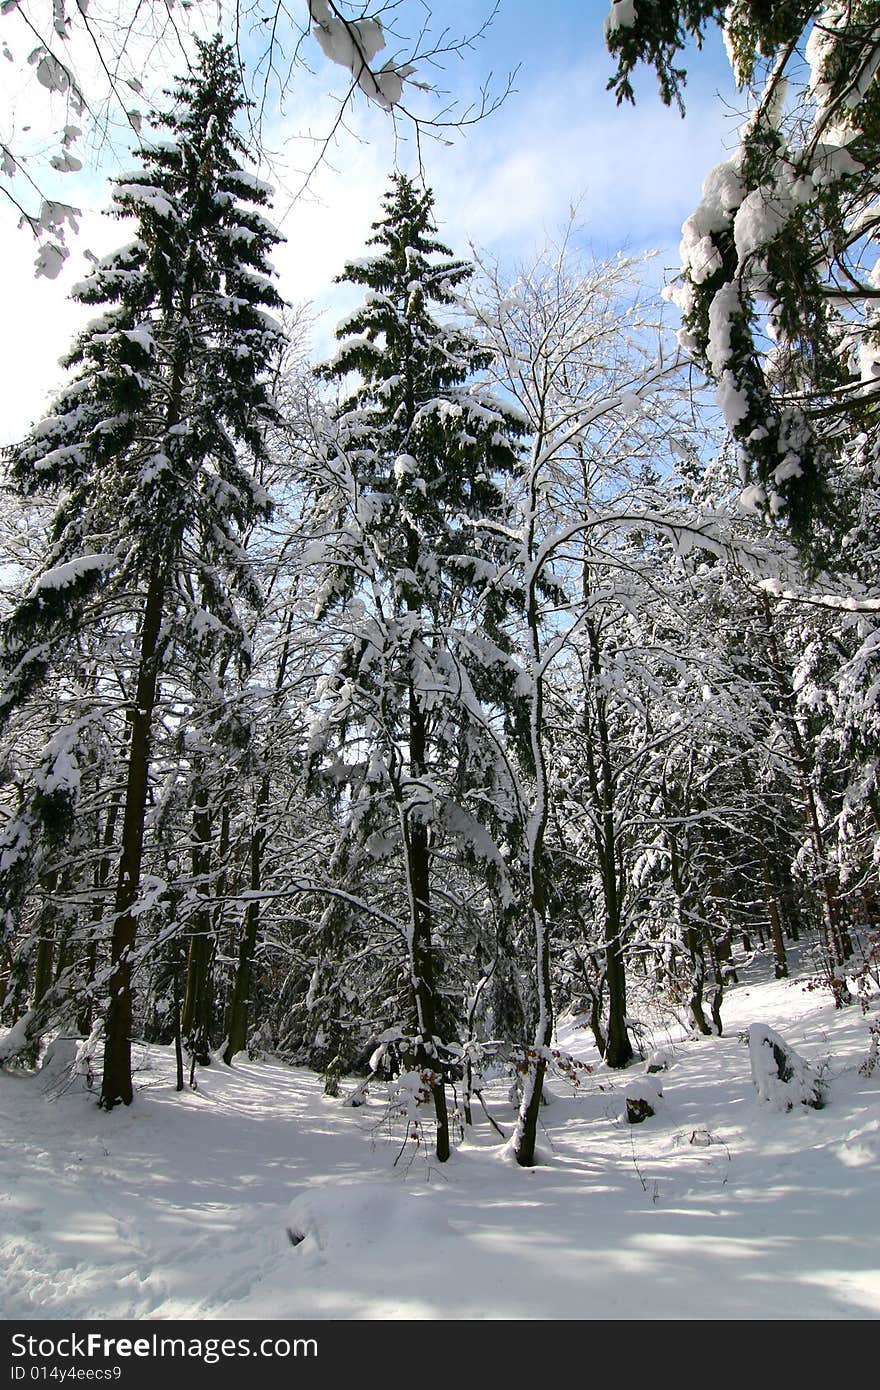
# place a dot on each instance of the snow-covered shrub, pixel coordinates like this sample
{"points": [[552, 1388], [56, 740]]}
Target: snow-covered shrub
{"points": [[642, 1098], [781, 1077]]}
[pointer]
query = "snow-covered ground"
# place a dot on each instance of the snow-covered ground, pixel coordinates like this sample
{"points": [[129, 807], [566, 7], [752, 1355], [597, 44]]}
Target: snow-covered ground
{"points": [[718, 1207]]}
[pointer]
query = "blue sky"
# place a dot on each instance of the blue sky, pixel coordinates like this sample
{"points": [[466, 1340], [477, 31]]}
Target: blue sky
{"points": [[503, 185]]}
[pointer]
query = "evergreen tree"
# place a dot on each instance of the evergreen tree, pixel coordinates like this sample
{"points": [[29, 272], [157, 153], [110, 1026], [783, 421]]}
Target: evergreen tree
{"points": [[146, 452], [779, 284], [419, 455]]}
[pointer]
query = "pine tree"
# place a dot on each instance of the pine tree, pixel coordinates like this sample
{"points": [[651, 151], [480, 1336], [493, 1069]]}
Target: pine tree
{"points": [[146, 451], [419, 457]]}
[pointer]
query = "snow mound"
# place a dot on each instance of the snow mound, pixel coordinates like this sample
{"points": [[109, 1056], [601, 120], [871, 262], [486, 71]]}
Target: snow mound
{"points": [[506, 1153], [661, 1059], [358, 1214], [781, 1077], [60, 1057], [67, 1061], [644, 1088]]}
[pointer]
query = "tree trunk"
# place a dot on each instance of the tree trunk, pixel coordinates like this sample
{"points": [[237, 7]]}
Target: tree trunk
{"points": [[239, 1008], [618, 1048], [116, 1085], [238, 1012], [99, 883], [835, 938], [45, 944], [780, 961], [717, 993], [218, 919], [176, 967], [594, 988], [694, 947], [5, 975], [525, 1135], [198, 998], [725, 960], [422, 963]]}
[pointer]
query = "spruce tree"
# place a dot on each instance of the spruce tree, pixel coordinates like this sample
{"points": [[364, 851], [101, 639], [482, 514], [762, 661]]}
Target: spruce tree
{"points": [[412, 581], [148, 452]]}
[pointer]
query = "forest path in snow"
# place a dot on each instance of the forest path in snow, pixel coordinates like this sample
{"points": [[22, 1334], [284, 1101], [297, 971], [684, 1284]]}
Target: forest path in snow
{"points": [[718, 1207]]}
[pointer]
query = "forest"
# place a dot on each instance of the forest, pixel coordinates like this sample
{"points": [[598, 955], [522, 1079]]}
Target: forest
{"points": [[521, 658]]}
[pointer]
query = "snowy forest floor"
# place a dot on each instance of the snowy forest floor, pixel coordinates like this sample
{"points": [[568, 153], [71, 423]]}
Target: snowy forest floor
{"points": [[718, 1207]]}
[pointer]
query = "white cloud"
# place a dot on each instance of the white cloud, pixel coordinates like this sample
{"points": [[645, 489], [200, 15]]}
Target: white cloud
{"points": [[504, 185], [635, 172], [634, 175], [39, 321]]}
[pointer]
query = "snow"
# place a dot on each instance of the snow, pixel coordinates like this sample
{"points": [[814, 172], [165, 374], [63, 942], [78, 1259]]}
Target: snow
{"points": [[645, 1088], [50, 258], [353, 44], [869, 366], [725, 307], [245, 179], [758, 220], [389, 84], [799, 1085], [61, 773], [723, 192], [405, 466], [820, 54], [753, 499], [819, 48], [145, 196], [832, 162], [180, 1206], [67, 573], [52, 74], [14, 844], [703, 258], [623, 15], [55, 216], [359, 342], [142, 337], [790, 467], [732, 400]]}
